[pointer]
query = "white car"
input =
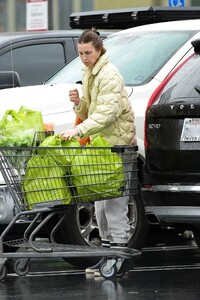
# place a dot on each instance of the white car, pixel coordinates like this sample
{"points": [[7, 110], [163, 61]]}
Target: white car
{"points": [[145, 55]]}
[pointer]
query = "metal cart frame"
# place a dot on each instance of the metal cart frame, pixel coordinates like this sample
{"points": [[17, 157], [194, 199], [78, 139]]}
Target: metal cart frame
{"points": [[97, 165]]}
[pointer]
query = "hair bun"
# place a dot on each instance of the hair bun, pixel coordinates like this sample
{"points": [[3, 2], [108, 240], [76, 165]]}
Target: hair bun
{"points": [[94, 29]]}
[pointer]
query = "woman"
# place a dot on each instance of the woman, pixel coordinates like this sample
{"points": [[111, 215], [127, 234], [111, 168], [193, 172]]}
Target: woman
{"points": [[105, 110]]}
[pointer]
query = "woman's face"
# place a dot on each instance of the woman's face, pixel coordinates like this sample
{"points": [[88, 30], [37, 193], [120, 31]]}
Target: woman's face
{"points": [[88, 54]]}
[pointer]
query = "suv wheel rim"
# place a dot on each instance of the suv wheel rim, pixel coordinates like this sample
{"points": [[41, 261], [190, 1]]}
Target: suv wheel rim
{"points": [[87, 223]]}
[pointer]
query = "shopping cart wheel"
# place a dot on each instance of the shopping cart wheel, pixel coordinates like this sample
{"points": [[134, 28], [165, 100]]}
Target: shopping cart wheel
{"points": [[123, 266], [3, 272], [119, 275], [108, 271], [21, 267]]}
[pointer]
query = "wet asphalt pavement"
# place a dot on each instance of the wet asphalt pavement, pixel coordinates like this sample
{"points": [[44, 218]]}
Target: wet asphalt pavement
{"points": [[169, 268]]}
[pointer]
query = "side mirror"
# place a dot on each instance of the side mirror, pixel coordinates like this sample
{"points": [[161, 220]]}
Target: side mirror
{"points": [[9, 79]]}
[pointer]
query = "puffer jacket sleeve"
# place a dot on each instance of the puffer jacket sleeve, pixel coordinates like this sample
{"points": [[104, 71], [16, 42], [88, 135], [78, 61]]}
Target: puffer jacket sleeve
{"points": [[82, 112], [107, 107]]}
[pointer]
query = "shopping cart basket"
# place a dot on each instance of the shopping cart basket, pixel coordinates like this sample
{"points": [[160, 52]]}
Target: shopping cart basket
{"points": [[45, 181]]}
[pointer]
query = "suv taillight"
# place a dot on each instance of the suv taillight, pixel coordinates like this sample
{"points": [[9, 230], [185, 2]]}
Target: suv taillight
{"points": [[157, 93]]}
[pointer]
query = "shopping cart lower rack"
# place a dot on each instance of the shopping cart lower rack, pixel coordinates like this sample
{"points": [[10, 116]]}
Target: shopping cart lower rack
{"points": [[45, 181]]}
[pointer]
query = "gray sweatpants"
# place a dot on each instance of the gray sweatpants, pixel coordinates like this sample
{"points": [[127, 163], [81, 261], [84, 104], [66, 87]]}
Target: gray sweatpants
{"points": [[112, 219], [112, 215]]}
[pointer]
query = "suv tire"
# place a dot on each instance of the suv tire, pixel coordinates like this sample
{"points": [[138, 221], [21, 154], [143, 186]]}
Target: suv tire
{"points": [[196, 234], [80, 228]]}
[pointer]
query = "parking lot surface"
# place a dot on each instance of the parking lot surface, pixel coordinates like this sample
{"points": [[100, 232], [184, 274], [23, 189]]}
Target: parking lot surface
{"points": [[168, 269]]}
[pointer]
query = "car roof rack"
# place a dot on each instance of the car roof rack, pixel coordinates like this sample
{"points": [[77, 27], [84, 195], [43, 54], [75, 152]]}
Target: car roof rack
{"points": [[131, 17], [196, 45]]}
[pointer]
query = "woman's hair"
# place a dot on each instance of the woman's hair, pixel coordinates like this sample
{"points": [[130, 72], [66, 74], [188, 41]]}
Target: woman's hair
{"points": [[92, 36]]}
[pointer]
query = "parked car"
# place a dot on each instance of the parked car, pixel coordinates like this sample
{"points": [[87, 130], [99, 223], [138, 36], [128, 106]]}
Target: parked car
{"points": [[35, 56], [145, 55], [171, 173], [30, 58]]}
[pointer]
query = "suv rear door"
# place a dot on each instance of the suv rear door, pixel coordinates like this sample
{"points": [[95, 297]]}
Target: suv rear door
{"points": [[173, 128]]}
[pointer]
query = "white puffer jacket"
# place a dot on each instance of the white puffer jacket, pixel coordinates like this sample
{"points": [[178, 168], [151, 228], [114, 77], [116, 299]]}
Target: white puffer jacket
{"points": [[105, 108]]}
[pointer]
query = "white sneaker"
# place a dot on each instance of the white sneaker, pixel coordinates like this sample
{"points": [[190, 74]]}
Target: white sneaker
{"points": [[91, 270], [97, 274]]}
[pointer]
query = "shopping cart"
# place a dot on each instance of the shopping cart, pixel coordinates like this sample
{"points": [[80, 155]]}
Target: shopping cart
{"points": [[45, 181]]}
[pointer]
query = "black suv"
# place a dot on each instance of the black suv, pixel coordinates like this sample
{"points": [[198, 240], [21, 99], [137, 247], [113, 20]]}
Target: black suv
{"points": [[171, 174]]}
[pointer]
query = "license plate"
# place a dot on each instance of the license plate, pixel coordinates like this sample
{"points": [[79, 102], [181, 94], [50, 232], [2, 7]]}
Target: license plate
{"points": [[191, 130]]}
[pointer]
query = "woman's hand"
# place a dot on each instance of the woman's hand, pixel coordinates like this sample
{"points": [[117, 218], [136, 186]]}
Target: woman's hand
{"points": [[69, 134], [74, 97]]}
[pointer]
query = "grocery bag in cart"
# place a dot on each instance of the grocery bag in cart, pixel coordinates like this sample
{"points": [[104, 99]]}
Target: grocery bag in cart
{"points": [[47, 177], [72, 174], [45, 181], [98, 173], [18, 128], [63, 151]]}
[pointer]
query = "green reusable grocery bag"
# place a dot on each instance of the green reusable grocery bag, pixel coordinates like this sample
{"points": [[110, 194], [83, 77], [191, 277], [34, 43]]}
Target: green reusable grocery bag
{"points": [[98, 173], [21, 126], [45, 181], [63, 152], [18, 130]]}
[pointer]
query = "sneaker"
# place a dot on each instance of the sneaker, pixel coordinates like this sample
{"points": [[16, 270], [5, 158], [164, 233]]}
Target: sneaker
{"points": [[97, 274], [119, 246], [105, 243], [91, 270]]}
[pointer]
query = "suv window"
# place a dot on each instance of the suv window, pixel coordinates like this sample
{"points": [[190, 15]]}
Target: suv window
{"points": [[141, 55], [181, 87], [40, 55]]}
